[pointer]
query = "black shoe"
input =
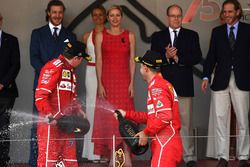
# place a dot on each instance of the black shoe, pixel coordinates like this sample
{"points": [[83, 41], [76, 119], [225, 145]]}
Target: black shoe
{"points": [[243, 163], [191, 164], [222, 163]]}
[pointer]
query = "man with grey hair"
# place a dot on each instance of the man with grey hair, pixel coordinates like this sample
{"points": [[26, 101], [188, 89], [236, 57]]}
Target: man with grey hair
{"points": [[9, 68]]}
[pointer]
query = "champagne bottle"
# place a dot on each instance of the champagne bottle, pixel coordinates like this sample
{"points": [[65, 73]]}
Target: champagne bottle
{"points": [[128, 130], [73, 123]]}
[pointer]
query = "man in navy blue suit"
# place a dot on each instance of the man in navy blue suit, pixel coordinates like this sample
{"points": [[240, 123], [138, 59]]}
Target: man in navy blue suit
{"points": [[180, 50], [47, 42], [229, 58], [9, 68]]}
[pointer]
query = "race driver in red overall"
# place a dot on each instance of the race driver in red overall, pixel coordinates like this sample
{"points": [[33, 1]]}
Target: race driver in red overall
{"points": [[162, 119], [56, 96]]}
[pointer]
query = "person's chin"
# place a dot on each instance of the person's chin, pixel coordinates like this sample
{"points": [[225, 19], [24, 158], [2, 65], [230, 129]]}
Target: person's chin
{"points": [[56, 22]]}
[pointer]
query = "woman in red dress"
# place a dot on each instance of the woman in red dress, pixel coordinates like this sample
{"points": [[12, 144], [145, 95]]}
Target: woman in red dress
{"points": [[115, 69]]}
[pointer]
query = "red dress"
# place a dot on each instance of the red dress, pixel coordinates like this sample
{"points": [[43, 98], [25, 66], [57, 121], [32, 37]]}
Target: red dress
{"points": [[115, 79]]}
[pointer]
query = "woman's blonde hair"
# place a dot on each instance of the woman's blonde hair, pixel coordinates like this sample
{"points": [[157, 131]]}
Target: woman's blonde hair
{"points": [[115, 7]]}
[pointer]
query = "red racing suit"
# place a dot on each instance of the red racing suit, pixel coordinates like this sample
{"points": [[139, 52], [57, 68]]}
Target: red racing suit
{"points": [[55, 93], [162, 123]]}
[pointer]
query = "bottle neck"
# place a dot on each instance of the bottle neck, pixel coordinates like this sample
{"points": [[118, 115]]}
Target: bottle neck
{"points": [[119, 116]]}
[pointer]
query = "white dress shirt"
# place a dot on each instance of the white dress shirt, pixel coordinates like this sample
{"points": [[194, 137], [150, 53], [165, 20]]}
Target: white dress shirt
{"points": [[51, 26], [171, 32]]}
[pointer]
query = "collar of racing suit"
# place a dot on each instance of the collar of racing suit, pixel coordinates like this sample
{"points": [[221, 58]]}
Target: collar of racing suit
{"points": [[65, 62], [158, 74]]}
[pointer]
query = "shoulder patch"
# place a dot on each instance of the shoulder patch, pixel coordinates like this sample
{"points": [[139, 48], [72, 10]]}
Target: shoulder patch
{"points": [[159, 104], [57, 62], [66, 74], [171, 88]]}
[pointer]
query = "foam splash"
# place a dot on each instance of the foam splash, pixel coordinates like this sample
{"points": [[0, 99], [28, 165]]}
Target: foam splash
{"points": [[21, 119]]}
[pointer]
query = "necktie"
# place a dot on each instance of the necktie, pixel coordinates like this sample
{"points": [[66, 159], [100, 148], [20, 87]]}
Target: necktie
{"points": [[171, 61], [55, 36], [175, 38], [231, 37]]}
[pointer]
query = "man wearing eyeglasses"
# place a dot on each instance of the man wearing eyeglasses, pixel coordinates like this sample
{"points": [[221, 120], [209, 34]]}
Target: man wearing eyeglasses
{"points": [[180, 49]]}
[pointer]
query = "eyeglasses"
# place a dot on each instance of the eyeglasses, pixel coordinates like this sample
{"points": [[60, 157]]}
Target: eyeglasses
{"points": [[175, 16]]}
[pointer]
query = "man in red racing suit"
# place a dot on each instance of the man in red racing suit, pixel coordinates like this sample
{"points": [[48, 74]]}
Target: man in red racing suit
{"points": [[56, 96], [162, 119]]}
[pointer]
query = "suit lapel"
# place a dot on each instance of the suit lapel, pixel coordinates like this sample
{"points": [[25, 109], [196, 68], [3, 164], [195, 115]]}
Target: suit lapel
{"points": [[47, 37], [225, 37], [62, 35], [47, 31], [240, 33], [180, 37], [167, 36], [3, 41]]}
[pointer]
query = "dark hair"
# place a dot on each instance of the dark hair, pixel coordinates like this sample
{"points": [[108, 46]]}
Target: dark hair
{"points": [[100, 7], [174, 5], [68, 56], [53, 3], [236, 4], [154, 70]]}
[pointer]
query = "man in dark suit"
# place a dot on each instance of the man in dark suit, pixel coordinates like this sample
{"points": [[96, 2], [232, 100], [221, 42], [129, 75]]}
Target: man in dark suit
{"points": [[229, 58], [180, 50], [9, 68], [47, 42]]}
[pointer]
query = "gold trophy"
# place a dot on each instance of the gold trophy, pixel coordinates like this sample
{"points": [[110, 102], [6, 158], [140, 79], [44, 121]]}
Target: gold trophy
{"points": [[119, 158]]}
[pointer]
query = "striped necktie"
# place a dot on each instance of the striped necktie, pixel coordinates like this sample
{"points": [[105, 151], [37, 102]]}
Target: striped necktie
{"points": [[231, 37], [55, 36], [175, 38]]}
